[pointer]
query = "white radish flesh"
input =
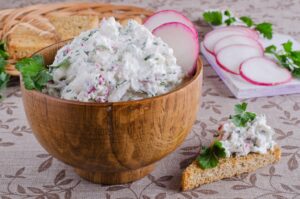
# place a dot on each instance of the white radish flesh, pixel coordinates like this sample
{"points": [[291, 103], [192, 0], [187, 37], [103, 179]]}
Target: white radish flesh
{"points": [[184, 43], [234, 40], [231, 57], [264, 72], [214, 36], [167, 16]]}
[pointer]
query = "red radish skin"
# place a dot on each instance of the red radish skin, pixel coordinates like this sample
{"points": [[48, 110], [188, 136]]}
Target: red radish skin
{"points": [[214, 36], [251, 32], [184, 43], [235, 40], [272, 66], [234, 53], [167, 16]]}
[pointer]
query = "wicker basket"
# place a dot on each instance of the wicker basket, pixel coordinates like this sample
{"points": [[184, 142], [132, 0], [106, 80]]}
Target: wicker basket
{"points": [[37, 15]]}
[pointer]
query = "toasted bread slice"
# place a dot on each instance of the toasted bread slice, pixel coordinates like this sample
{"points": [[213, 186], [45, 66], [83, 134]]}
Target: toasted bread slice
{"points": [[68, 27], [25, 39], [193, 176]]}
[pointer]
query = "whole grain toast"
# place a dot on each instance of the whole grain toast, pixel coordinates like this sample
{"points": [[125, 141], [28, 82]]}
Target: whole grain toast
{"points": [[193, 176]]}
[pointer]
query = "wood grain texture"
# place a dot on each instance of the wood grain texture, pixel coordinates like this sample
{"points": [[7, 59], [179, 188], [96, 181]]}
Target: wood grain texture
{"points": [[121, 138]]}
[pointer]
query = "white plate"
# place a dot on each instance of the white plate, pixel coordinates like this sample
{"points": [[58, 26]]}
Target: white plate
{"points": [[242, 89]]}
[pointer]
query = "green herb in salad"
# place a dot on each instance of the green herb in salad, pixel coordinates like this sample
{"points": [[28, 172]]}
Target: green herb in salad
{"points": [[242, 117], [287, 57], [4, 77], [34, 73], [64, 64], [209, 157], [216, 18]]}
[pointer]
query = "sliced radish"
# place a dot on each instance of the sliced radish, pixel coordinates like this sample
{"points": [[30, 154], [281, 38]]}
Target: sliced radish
{"points": [[214, 36], [231, 57], [236, 39], [184, 43], [264, 72], [167, 16]]}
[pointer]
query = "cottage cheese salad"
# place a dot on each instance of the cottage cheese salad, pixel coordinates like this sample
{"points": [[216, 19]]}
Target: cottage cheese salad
{"points": [[255, 137], [114, 63]]}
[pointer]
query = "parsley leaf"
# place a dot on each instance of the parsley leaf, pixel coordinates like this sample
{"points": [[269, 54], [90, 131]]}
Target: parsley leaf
{"points": [[34, 73], [271, 49], [230, 19], [64, 64], [288, 46], [3, 52], [247, 20], [241, 117], [216, 18], [4, 77], [265, 29], [227, 13], [213, 17], [209, 157], [287, 57]]}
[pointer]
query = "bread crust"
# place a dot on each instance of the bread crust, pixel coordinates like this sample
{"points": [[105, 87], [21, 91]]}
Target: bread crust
{"points": [[193, 176]]}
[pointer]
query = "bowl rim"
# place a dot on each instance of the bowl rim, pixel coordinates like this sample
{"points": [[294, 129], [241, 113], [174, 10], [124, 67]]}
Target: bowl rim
{"points": [[199, 71]]}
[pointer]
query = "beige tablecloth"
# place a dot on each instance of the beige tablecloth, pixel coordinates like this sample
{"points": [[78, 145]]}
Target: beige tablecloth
{"points": [[27, 171]]}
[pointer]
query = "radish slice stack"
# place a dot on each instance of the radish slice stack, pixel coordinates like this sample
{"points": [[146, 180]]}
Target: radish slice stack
{"points": [[180, 34], [214, 36], [234, 40], [231, 57], [264, 72], [238, 51], [167, 16]]}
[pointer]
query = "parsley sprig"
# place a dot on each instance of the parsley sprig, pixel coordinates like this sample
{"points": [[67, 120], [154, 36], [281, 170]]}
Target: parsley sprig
{"points": [[4, 77], [288, 58], [216, 18], [230, 20], [242, 117], [34, 73], [209, 157]]}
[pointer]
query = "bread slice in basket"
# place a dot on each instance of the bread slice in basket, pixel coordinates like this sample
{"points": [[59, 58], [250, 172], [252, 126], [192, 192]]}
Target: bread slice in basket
{"points": [[68, 27], [193, 176], [25, 38]]}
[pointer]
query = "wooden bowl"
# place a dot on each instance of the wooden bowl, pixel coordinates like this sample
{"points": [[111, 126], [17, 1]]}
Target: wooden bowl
{"points": [[112, 143]]}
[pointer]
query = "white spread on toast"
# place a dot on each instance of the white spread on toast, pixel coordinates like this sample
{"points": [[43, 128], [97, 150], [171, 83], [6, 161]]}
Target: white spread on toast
{"points": [[114, 63], [255, 137]]}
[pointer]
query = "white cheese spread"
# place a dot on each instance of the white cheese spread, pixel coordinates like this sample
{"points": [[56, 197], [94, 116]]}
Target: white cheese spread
{"points": [[255, 137], [114, 63]]}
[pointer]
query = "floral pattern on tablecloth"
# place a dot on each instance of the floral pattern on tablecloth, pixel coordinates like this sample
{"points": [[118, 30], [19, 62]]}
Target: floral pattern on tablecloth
{"points": [[27, 171]]}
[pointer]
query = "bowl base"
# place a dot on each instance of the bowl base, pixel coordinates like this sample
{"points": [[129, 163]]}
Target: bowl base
{"points": [[112, 178]]}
